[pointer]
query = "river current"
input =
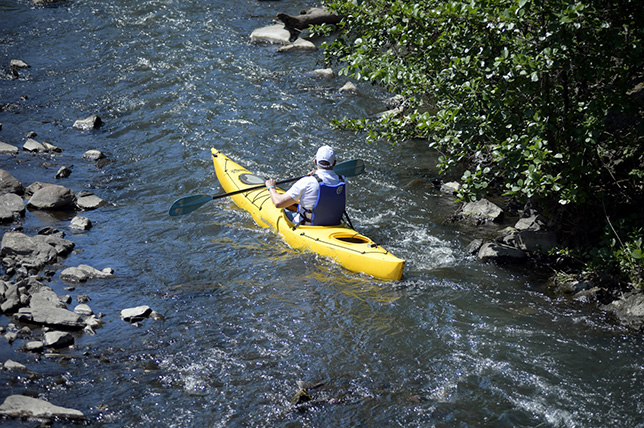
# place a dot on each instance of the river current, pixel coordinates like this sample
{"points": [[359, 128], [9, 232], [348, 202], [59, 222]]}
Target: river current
{"points": [[455, 343]]}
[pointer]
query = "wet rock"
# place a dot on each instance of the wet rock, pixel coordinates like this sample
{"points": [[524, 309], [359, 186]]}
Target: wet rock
{"points": [[17, 63], [84, 273], [11, 300], [51, 148], [450, 187], [349, 88], [88, 201], [15, 367], [89, 123], [300, 45], [42, 295], [8, 149], [53, 197], [11, 336], [275, 34], [326, 73], [13, 203], [50, 316], [58, 339], [482, 211], [33, 252], [136, 314], [500, 253], [629, 310], [33, 146], [34, 187], [21, 406], [8, 184], [309, 16], [63, 172], [34, 346], [80, 223], [93, 155], [83, 309]]}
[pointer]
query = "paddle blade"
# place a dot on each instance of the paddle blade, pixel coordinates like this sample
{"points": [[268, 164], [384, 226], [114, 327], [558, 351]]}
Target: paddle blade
{"points": [[188, 204], [350, 168]]}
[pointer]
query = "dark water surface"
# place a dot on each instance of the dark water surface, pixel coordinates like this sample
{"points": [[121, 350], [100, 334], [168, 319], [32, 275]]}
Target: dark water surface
{"points": [[454, 344]]}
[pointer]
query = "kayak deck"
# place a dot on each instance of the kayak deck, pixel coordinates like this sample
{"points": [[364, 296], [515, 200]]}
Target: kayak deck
{"points": [[352, 250]]}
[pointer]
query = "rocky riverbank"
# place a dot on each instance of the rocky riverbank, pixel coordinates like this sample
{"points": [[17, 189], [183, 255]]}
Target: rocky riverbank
{"points": [[42, 322], [531, 241]]}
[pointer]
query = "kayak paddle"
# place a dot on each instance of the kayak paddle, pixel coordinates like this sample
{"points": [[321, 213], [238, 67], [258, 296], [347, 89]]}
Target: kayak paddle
{"points": [[188, 204]]}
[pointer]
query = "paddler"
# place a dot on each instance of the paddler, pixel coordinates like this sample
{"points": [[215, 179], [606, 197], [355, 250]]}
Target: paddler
{"points": [[321, 196]]}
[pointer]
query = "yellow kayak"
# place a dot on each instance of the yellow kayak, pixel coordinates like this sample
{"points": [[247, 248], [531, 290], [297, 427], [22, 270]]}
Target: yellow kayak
{"points": [[352, 250]]}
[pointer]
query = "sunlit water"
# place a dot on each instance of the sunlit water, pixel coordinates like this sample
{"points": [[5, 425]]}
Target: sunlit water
{"points": [[454, 344]]}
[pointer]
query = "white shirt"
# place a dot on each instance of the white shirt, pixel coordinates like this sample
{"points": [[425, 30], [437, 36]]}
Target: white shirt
{"points": [[305, 190]]}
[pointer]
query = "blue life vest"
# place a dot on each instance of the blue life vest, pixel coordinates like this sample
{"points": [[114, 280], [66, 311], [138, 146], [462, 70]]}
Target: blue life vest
{"points": [[329, 206]]}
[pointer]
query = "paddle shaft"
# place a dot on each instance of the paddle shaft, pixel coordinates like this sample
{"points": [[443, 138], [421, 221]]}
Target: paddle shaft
{"points": [[250, 189]]}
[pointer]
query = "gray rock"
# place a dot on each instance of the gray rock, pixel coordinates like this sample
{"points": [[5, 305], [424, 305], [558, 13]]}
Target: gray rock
{"points": [[89, 201], [58, 339], [6, 216], [11, 336], [21, 406], [8, 149], [536, 240], [482, 210], [136, 314], [43, 295], [8, 184], [89, 123], [52, 197], [349, 88], [83, 309], [51, 148], [34, 187], [81, 223], [301, 45], [18, 63], [275, 34], [93, 155], [500, 253], [532, 223], [36, 252], [33, 146], [629, 310], [15, 366], [450, 187], [12, 299], [50, 316], [83, 273], [13, 203], [63, 172], [326, 73], [34, 346]]}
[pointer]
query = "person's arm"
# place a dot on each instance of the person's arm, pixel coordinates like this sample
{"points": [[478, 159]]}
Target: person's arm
{"points": [[280, 200]]}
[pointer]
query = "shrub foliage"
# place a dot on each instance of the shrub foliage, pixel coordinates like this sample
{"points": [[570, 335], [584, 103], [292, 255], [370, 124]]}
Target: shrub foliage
{"points": [[540, 99]]}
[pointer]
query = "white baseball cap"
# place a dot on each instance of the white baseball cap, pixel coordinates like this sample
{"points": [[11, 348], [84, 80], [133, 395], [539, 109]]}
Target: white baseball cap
{"points": [[325, 156]]}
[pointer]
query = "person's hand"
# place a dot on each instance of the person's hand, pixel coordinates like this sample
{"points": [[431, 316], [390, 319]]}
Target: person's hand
{"points": [[270, 183]]}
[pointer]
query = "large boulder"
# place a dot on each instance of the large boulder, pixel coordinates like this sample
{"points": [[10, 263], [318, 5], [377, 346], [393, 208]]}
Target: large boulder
{"points": [[21, 406], [13, 203], [50, 316], [53, 197], [482, 211], [9, 184], [36, 252], [500, 253]]}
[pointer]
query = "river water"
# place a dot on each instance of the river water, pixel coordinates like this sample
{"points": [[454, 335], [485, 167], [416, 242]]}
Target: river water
{"points": [[456, 343]]}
